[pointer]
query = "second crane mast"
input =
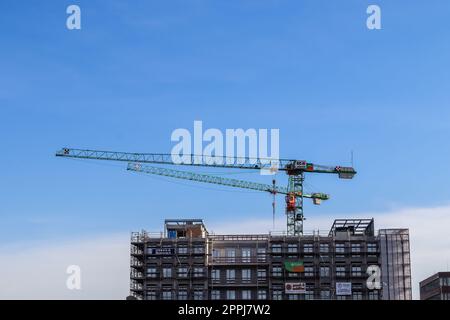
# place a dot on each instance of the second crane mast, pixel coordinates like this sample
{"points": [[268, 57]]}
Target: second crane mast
{"points": [[295, 170]]}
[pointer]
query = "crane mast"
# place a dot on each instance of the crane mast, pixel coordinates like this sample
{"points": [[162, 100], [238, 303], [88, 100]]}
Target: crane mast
{"points": [[294, 205], [295, 170]]}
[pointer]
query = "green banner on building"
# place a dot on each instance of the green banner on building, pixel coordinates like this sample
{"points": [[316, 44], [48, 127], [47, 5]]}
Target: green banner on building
{"points": [[294, 266]]}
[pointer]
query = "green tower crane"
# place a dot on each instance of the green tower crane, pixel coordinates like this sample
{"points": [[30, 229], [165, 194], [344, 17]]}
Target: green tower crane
{"points": [[295, 170]]}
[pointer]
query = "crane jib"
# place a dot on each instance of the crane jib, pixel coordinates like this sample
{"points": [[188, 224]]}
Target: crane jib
{"points": [[163, 158], [293, 167], [206, 178]]}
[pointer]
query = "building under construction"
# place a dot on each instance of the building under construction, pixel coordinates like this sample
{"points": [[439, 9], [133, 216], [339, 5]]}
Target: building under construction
{"points": [[350, 262]]}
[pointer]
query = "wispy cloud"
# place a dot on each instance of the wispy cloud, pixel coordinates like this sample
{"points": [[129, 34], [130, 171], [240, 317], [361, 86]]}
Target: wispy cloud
{"points": [[40, 272]]}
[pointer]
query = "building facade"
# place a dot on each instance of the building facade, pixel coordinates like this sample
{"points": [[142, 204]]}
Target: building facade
{"points": [[187, 263], [436, 287]]}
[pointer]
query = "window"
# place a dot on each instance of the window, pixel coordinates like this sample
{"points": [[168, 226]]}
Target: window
{"points": [[167, 272], [324, 271], [246, 295], [151, 272], [309, 295], [277, 295], [341, 297], [292, 274], [262, 254], [182, 272], [231, 275], [276, 248], [167, 295], [216, 253], [430, 286], [215, 275], [262, 274], [356, 271], [373, 295], [292, 248], [199, 249], [325, 294], [151, 295], [357, 295], [231, 255], [308, 248], [198, 272], [443, 281], [246, 255], [371, 247], [276, 271], [168, 248], [340, 271], [309, 271], [182, 294], [262, 295], [231, 294], [182, 250], [215, 295], [356, 247], [246, 275], [198, 294], [340, 247], [324, 248], [293, 297]]}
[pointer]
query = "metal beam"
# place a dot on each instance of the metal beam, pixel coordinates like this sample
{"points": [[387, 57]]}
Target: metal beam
{"points": [[293, 167], [200, 177]]}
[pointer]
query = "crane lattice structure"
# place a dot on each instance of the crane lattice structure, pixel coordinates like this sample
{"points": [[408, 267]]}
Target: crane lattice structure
{"points": [[295, 170]]}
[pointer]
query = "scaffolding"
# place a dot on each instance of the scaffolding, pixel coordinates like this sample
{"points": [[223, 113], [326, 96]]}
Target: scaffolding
{"points": [[395, 264]]}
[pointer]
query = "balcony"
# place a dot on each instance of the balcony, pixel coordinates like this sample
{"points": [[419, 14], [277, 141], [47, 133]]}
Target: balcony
{"points": [[136, 252], [309, 257], [135, 286], [239, 284], [372, 258], [141, 237], [358, 275], [357, 259], [136, 263], [341, 259], [238, 260], [136, 275]]}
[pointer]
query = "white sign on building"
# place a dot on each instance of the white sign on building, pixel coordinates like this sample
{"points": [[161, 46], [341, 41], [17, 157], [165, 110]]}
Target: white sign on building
{"points": [[294, 287], [343, 288]]}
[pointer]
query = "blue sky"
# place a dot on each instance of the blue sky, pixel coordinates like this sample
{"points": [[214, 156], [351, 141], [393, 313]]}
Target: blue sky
{"points": [[137, 71]]}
